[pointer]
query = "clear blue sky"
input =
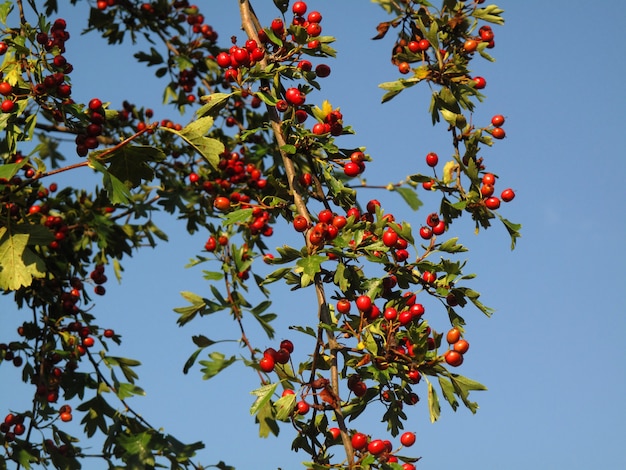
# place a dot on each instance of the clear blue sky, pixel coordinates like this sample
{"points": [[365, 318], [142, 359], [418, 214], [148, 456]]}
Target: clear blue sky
{"points": [[553, 354]]}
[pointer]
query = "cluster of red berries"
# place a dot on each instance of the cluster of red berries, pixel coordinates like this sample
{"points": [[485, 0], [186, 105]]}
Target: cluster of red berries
{"points": [[99, 278], [497, 132], [56, 83], [311, 24], [356, 165], [237, 57], [485, 34], [271, 356], [434, 226], [13, 425], [459, 347], [382, 449], [8, 352], [88, 140], [487, 190]]}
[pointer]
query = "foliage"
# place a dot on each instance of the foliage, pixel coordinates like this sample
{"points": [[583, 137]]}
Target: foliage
{"points": [[276, 162]]}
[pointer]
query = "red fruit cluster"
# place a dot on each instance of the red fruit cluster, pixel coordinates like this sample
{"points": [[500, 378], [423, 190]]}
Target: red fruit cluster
{"points": [[459, 347], [271, 356], [498, 132], [332, 124], [487, 190], [356, 165], [99, 278], [434, 226], [88, 139], [237, 57], [13, 425], [104, 4]]}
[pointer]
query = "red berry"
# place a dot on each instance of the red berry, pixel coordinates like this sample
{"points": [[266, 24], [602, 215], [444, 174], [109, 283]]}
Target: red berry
{"points": [[407, 439], [314, 17], [343, 306], [497, 120], [299, 8], [221, 203], [286, 344], [453, 358], [489, 178], [5, 88], [480, 83], [359, 441], [302, 407], [267, 363], [322, 70], [507, 195], [363, 303], [351, 169], [426, 233], [223, 60], [492, 203], [390, 313], [470, 45], [325, 216], [377, 446], [461, 346], [8, 106], [295, 97], [390, 237], [498, 133], [453, 336], [432, 159], [424, 45], [300, 223]]}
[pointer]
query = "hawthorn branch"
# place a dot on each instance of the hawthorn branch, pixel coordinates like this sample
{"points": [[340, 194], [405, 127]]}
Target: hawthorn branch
{"points": [[251, 26]]}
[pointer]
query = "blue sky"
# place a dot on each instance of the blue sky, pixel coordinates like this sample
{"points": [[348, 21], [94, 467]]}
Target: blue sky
{"points": [[552, 356]]}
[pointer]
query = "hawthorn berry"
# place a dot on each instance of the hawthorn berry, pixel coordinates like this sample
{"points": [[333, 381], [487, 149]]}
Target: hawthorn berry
{"points": [[453, 336], [407, 439], [432, 159], [6, 88], [461, 346], [299, 8], [7, 106], [359, 441], [507, 195], [221, 203], [363, 303], [492, 203], [350, 169], [343, 306], [376, 447], [426, 233], [267, 363], [470, 45], [322, 70], [498, 133], [489, 178], [497, 120], [300, 223], [314, 17], [480, 83], [453, 358]]}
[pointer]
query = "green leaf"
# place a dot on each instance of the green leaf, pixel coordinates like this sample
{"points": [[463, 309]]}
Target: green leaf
{"points": [[130, 163], [126, 390], [263, 395], [18, 263], [195, 135], [433, 403], [309, 266], [410, 197], [491, 14], [154, 58], [448, 392], [214, 103], [117, 192], [216, 364], [237, 216], [5, 9], [513, 230], [451, 246], [284, 407], [202, 341]]}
